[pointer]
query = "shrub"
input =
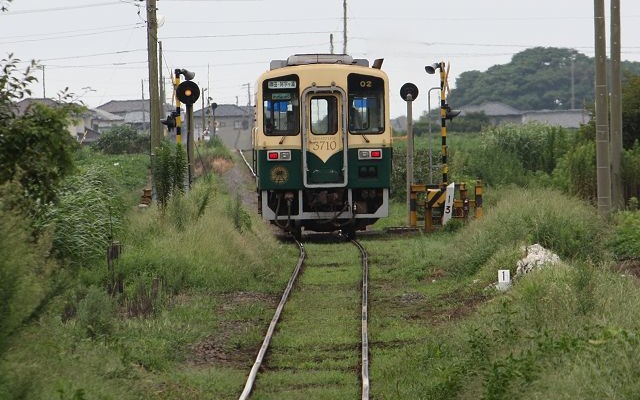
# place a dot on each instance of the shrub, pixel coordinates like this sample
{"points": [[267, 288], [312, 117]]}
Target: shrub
{"points": [[86, 218], [122, 139], [169, 171], [25, 272], [568, 227], [95, 313], [625, 242]]}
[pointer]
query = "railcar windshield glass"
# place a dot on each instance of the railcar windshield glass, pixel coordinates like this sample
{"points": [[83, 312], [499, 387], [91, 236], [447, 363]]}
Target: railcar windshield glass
{"points": [[366, 104], [324, 115], [281, 106]]}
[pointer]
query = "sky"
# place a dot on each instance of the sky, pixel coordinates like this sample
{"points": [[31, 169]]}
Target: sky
{"points": [[98, 48]]}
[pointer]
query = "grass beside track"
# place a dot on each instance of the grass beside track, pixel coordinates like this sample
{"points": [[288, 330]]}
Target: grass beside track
{"points": [[438, 330]]}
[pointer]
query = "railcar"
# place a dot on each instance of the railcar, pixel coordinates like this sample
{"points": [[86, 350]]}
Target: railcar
{"points": [[322, 143]]}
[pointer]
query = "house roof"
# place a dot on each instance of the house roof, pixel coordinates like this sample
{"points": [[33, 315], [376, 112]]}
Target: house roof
{"points": [[23, 105], [229, 110], [136, 117], [491, 108], [102, 115], [125, 106]]}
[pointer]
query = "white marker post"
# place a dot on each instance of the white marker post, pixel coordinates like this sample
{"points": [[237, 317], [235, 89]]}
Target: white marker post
{"points": [[448, 203], [504, 279]]}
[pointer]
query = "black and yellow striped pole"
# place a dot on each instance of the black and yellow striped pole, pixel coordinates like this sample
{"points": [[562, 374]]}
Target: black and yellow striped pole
{"points": [[178, 114], [443, 125], [446, 113]]}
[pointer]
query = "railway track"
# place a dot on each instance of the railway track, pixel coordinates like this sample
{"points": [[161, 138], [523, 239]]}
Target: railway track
{"points": [[364, 339]]}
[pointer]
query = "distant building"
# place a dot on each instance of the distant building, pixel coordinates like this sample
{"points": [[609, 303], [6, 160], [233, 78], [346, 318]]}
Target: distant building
{"points": [[500, 113], [563, 118], [133, 112], [231, 123]]}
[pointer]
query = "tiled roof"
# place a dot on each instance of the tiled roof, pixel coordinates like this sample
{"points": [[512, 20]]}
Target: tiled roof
{"points": [[229, 110], [491, 108]]}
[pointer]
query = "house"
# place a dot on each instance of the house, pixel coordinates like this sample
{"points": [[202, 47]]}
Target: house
{"points": [[230, 122], [133, 112], [76, 128], [500, 113], [563, 118]]}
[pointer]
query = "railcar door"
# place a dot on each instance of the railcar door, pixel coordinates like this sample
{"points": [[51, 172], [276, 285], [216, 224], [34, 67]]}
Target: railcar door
{"points": [[324, 143]]}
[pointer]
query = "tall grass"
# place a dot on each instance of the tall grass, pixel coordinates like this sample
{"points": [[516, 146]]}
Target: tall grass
{"points": [[525, 216]]}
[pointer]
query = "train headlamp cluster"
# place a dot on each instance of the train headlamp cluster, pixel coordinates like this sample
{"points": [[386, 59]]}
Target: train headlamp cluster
{"points": [[369, 154], [279, 155]]}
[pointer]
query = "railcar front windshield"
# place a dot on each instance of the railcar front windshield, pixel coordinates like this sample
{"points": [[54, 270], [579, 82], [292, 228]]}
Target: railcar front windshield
{"points": [[281, 106], [366, 104]]}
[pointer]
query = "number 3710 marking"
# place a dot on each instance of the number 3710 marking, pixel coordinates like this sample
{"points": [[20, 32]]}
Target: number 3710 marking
{"points": [[316, 146]]}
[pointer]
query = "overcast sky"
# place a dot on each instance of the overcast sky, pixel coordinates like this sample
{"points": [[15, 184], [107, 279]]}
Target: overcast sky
{"points": [[98, 47]]}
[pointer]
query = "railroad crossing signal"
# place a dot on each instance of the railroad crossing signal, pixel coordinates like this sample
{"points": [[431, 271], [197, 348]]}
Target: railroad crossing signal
{"points": [[188, 92], [409, 89]]}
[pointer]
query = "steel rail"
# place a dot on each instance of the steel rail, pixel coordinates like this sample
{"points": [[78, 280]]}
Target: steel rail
{"points": [[365, 319], [247, 163], [272, 326]]}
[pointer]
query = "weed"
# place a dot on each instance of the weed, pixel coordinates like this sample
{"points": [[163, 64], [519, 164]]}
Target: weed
{"points": [[95, 313], [240, 217]]}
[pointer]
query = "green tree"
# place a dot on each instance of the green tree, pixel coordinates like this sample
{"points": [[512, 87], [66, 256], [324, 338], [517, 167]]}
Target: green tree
{"points": [[630, 111], [536, 78], [36, 148]]}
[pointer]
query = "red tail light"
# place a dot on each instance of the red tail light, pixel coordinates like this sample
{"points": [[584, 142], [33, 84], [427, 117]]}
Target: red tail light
{"points": [[279, 155]]}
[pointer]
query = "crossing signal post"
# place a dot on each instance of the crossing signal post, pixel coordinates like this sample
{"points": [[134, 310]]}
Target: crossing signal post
{"points": [[439, 197], [188, 93], [409, 92]]}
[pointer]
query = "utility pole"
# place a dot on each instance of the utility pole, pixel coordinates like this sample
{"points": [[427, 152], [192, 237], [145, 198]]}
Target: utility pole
{"points": [[617, 193], [163, 98], [248, 85], [573, 78], [603, 168], [152, 56], [331, 43], [344, 30]]}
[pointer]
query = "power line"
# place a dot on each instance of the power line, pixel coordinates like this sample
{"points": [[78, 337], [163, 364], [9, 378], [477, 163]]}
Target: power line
{"points": [[137, 26], [245, 35], [92, 55], [16, 12]]}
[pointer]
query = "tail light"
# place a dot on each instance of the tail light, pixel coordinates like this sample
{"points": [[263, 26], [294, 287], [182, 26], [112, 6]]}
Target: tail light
{"points": [[279, 155], [369, 154]]}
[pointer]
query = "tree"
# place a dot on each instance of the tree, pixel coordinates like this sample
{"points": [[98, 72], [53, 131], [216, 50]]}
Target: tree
{"points": [[536, 78], [35, 147], [630, 111]]}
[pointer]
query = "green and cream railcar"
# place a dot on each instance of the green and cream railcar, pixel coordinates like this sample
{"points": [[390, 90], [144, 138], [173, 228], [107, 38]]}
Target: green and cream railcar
{"points": [[322, 143]]}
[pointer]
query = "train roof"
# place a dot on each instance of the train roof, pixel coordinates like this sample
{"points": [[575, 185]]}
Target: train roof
{"points": [[306, 59]]}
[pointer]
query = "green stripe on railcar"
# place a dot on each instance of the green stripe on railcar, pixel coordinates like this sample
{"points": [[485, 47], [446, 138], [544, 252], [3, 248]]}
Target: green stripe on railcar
{"points": [[370, 173], [279, 174]]}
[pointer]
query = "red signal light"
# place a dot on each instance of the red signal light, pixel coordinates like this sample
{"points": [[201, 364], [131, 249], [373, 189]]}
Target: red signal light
{"points": [[272, 155], [376, 154]]}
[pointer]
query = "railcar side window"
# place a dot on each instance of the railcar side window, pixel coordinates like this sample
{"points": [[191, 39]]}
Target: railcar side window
{"points": [[281, 106], [366, 104], [324, 115]]}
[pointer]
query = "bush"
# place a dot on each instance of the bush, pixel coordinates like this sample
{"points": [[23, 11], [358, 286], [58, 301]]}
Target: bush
{"points": [[625, 242], [25, 272], [568, 227], [122, 139], [514, 153], [95, 313], [169, 171], [87, 217]]}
